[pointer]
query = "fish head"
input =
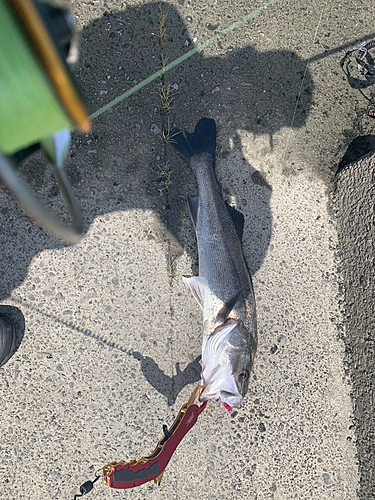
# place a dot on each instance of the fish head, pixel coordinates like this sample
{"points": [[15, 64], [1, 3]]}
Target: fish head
{"points": [[227, 358]]}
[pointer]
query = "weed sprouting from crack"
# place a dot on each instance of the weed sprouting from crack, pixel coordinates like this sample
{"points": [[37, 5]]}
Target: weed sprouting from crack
{"points": [[171, 257], [172, 268], [166, 98], [167, 134], [162, 18], [165, 174], [165, 93], [163, 62]]}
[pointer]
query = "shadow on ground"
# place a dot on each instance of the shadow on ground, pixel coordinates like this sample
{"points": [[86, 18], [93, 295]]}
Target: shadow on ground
{"points": [[359, 147], [118, 50], [170, 387]]}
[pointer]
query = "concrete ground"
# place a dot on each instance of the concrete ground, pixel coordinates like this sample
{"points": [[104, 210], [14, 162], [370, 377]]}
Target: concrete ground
{"points": [[112, 337], [356, 229]]}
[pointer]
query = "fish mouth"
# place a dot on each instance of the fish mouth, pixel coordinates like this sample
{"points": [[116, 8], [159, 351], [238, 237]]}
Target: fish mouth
{"points": [[223, 391], [228, 400]]}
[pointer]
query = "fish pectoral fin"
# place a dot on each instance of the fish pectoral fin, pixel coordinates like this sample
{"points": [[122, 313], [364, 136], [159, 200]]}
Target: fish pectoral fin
{"points": [[198, 287], [193, 206], [224, 312], [237, 218]]}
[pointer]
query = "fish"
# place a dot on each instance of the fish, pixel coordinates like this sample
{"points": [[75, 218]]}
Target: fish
{"points": [[223, 289]]}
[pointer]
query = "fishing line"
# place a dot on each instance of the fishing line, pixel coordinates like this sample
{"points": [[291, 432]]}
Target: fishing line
{"points": [[182, 58], [285, 154], [308, 62]]}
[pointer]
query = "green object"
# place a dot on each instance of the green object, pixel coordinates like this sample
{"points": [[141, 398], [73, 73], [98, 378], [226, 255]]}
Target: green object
{"points": [[29, 108]]}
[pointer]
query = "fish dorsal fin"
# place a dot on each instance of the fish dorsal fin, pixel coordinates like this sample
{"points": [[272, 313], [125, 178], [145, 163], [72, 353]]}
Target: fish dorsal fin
{"points": [[193, 205], [198, 287], [224, 312], [237, 218]]}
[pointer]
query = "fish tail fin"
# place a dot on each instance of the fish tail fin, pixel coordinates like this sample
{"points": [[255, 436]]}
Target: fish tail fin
{"points": [[202, 140]]}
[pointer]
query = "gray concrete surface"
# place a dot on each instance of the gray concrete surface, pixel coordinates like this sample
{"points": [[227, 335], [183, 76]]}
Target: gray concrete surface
{"points": [[355, 223], [112, 340]]}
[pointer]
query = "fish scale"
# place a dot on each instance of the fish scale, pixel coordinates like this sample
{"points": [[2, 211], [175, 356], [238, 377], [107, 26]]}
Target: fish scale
{"points": [[219, 247]]}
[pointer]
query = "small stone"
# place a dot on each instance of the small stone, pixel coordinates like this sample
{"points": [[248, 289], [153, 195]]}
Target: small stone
{"points": [[359, 406], [216, 89], [155, 129], [212, 27], [327, 479], [262, 428], [282, 340]]}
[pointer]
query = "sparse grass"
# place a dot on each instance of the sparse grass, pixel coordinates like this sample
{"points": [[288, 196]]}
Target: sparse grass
{"points": [[166, 98], [172, 267], [165, 92], [167, 135], [165, 174], [171, 261], [163, 62], [162, 18]]}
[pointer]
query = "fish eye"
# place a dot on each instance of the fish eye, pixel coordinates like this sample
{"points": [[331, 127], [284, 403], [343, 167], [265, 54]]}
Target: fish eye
{"points": [[244, 375]]}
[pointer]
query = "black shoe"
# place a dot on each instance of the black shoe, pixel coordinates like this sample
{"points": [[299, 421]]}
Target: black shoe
{"points": [[12, 327]]}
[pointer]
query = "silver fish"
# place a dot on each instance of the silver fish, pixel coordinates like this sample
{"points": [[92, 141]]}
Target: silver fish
{"points": [[223, 288]]}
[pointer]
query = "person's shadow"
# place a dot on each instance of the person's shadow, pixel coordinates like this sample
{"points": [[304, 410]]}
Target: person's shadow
{"points": [[118, 167]]}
